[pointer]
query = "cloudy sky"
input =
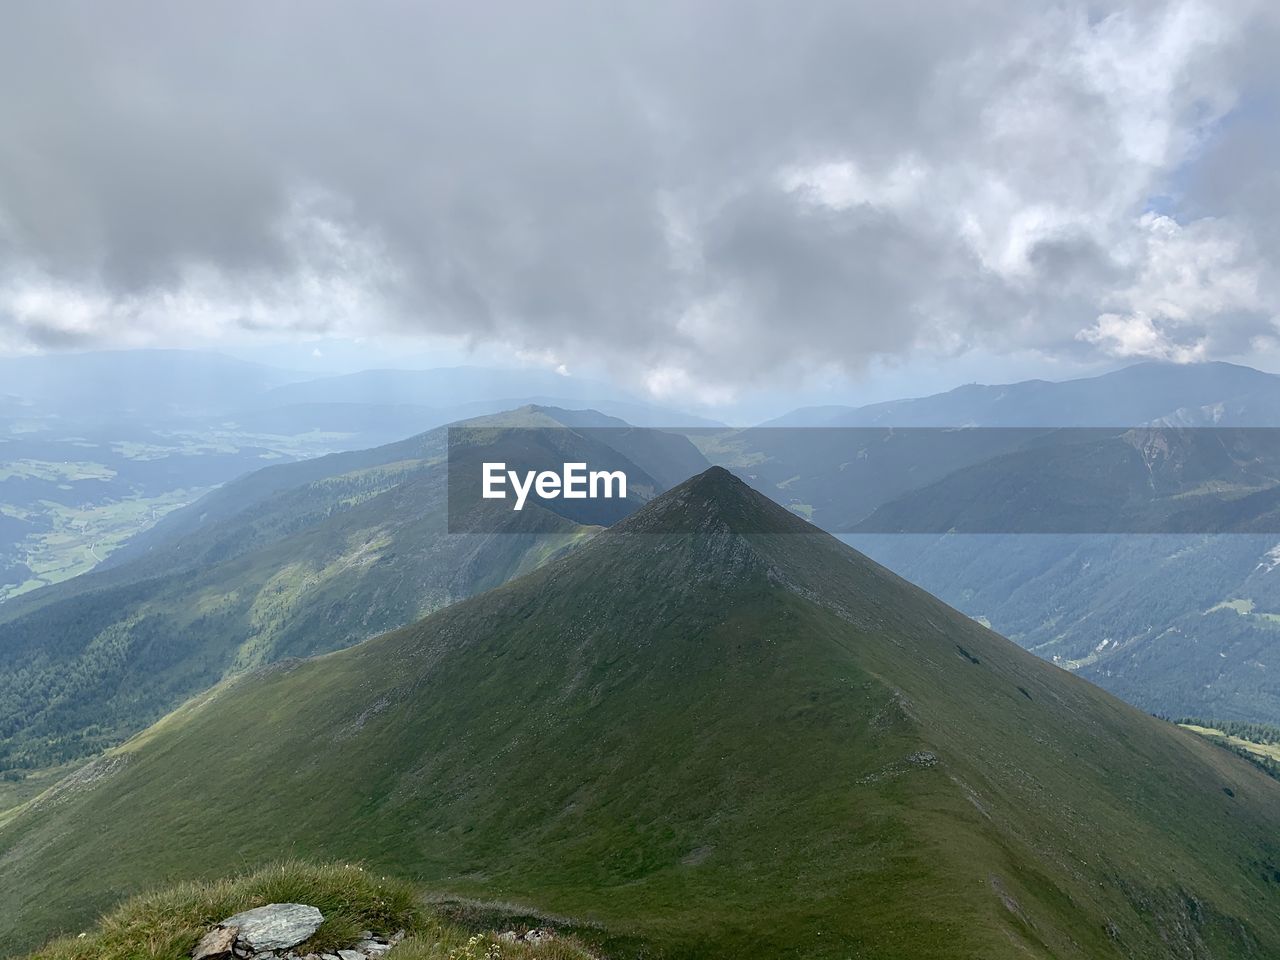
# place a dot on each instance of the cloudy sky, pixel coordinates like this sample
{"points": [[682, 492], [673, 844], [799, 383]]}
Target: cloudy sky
{"points": [[698, 198]]}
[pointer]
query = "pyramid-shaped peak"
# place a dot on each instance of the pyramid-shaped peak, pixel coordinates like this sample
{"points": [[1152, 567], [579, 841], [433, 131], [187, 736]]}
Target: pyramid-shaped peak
{"points": [[715, 499], [718, 475]]}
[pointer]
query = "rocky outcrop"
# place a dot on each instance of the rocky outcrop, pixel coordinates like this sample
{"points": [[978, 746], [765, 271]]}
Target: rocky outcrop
{"points": [[277, 926], [536, 936], [218, 942], [272, 932]]}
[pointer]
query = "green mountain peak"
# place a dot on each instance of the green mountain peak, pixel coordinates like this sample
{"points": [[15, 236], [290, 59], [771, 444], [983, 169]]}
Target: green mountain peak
{"points": [[736, 738], [714, 501]]}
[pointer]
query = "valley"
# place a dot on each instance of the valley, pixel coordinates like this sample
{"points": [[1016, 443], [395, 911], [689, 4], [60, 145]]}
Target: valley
{"points": [[95, 448], [1138, 613]]}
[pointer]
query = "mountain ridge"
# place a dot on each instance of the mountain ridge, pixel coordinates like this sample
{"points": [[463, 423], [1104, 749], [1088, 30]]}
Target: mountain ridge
{"points": [[294, 560], [1129, 397], [659, 729]]}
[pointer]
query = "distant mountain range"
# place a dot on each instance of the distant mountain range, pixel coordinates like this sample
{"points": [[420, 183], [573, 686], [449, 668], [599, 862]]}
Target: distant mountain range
{"points": [[143, 385], [1142, 480], [447, 387], [1179, 623], [709, 743], [1197, 394], [153, 387], [94, 447], [310, 556], [1184, 626]]}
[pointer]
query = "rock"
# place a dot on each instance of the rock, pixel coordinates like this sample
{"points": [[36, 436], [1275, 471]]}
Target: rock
{"points": [[277, 926], [218, 942], [350, 955], [538, 936], [396, 937], [509, 936], [373, 948]]}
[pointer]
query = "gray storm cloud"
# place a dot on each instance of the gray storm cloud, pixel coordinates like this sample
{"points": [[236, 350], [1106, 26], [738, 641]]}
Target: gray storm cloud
{"points": [[705, 194]]}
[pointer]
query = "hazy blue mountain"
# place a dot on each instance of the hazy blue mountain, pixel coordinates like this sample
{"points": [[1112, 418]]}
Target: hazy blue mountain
{"points": [[1182, 625], [1196, 394], [142, 384], [446, 387], [1145, 480], [95, 447], [836, 476]]}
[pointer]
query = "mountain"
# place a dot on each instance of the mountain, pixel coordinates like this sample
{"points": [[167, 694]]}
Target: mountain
{"points": [[712, 744], [145, 384], [67, 503], [837, 476], [150, 386], [1193, 394], [1182, 624], [294, 560], [444, 386], [836, 465], [85, 462], [1149, 480], [95, 447], [668, 456]]}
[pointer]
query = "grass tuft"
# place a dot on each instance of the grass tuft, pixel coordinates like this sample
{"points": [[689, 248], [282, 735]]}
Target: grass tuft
{"points": [[166, 924], [443, 941]]}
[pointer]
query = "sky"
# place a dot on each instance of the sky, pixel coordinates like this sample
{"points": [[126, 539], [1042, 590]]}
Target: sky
{"points": [[704, 201]]}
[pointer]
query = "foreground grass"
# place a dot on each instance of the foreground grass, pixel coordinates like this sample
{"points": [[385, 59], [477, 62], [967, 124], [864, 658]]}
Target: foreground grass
{"points": [[166, 924], [718, 747], [446, 942]]}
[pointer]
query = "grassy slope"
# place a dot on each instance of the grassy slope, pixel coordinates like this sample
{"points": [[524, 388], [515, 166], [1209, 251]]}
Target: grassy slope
{"points": [[1257, 743], [1171, 646], [765, 746], [1060, 596], [165, 924], [1270, 751], [302, 569], [83, 674]]}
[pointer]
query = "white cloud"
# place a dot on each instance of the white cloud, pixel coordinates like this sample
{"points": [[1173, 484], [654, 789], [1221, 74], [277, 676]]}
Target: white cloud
{"points": [[1135, 335], [1194, 288], [900, 180]]}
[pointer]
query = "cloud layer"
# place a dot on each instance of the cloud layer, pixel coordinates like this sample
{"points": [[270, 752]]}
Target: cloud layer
{"points": [[699, 196]]}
